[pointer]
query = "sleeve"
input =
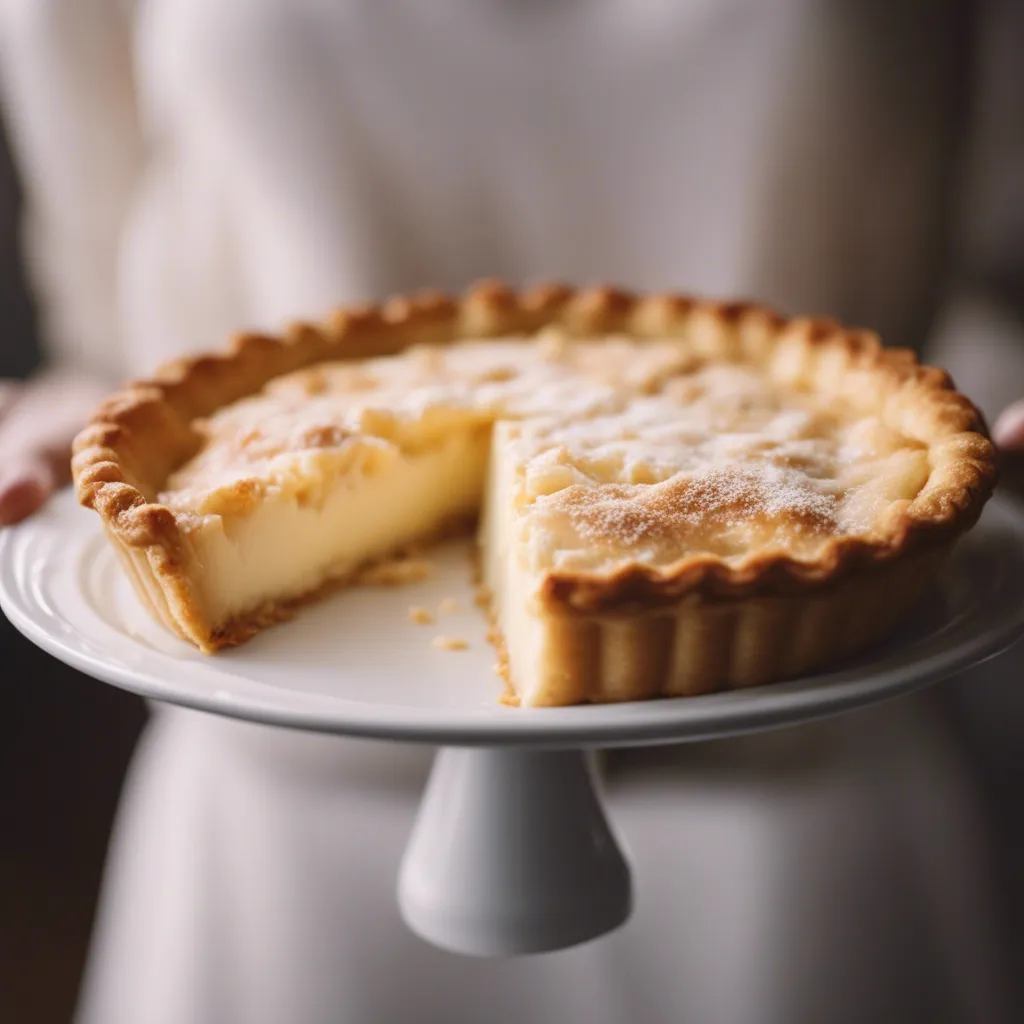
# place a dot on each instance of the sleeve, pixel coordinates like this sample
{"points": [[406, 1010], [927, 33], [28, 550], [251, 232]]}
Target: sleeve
{"points": [[69, 104]]}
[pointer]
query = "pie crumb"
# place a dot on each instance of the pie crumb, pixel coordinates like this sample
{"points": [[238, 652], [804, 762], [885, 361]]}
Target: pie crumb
{"points": [[448, 643], [420, 615], [509, 698], [448, 606]]}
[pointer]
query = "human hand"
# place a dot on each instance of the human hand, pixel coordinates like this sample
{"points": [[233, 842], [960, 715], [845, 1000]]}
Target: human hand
{"points": [[38, 421], [1008, 432]]}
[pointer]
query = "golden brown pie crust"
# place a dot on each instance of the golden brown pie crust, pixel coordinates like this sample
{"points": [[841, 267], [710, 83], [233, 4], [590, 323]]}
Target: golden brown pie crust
{"points": [[733, 618]]}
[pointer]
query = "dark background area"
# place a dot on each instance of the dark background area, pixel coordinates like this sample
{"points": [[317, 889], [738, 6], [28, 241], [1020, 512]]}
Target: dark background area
{"points": [[64, 743]]}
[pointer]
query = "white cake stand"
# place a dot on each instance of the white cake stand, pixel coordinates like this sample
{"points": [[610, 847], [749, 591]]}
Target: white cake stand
{"points": [[511, 852]]}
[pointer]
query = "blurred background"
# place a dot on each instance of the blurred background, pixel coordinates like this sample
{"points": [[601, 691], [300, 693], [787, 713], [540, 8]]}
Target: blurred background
{"points": [[64, 746]]}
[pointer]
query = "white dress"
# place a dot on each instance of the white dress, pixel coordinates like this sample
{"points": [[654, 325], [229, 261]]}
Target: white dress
{"points": [[193, 167]]}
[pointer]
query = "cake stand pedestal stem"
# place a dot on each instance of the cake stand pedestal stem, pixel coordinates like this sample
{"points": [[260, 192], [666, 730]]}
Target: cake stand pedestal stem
{"points": [[511, 854]]}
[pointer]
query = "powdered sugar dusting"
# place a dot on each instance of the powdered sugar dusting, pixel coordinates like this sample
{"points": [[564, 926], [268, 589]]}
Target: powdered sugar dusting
{"points": [[672, 512]]}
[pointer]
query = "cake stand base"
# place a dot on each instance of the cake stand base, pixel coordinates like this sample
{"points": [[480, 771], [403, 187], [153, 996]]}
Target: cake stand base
{"points": [[511, 854]]}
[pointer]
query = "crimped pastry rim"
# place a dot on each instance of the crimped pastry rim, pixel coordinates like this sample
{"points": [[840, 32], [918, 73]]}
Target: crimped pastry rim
{"points": [[144, 431]]}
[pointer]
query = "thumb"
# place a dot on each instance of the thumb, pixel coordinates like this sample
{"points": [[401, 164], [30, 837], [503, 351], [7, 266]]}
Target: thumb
{"points": [[25, 484], [1008, 431]]}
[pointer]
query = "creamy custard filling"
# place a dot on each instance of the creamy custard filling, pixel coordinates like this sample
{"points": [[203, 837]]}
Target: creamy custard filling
{"points": [[583, 456], [286, 549]]}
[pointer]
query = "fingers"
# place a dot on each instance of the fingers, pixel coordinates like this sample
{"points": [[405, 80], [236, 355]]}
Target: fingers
{"points": [[25, 484], [37, 423], [1008, 432]]}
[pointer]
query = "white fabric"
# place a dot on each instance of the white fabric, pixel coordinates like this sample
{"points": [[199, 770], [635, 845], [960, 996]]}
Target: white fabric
{"points": [[826, 874], [195, 167]]}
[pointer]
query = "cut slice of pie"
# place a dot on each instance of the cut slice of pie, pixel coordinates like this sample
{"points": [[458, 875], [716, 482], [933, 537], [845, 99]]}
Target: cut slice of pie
{"points": [[674, 496]]}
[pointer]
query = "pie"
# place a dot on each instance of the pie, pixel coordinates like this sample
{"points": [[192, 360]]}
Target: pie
{"points": [[674, 496]]}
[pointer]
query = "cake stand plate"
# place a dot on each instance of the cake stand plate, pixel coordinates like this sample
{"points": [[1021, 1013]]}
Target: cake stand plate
{"points": [[511, 851]]}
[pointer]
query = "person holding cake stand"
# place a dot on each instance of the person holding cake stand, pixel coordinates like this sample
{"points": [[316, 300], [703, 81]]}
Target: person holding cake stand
{"points": [[194, 168]]}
